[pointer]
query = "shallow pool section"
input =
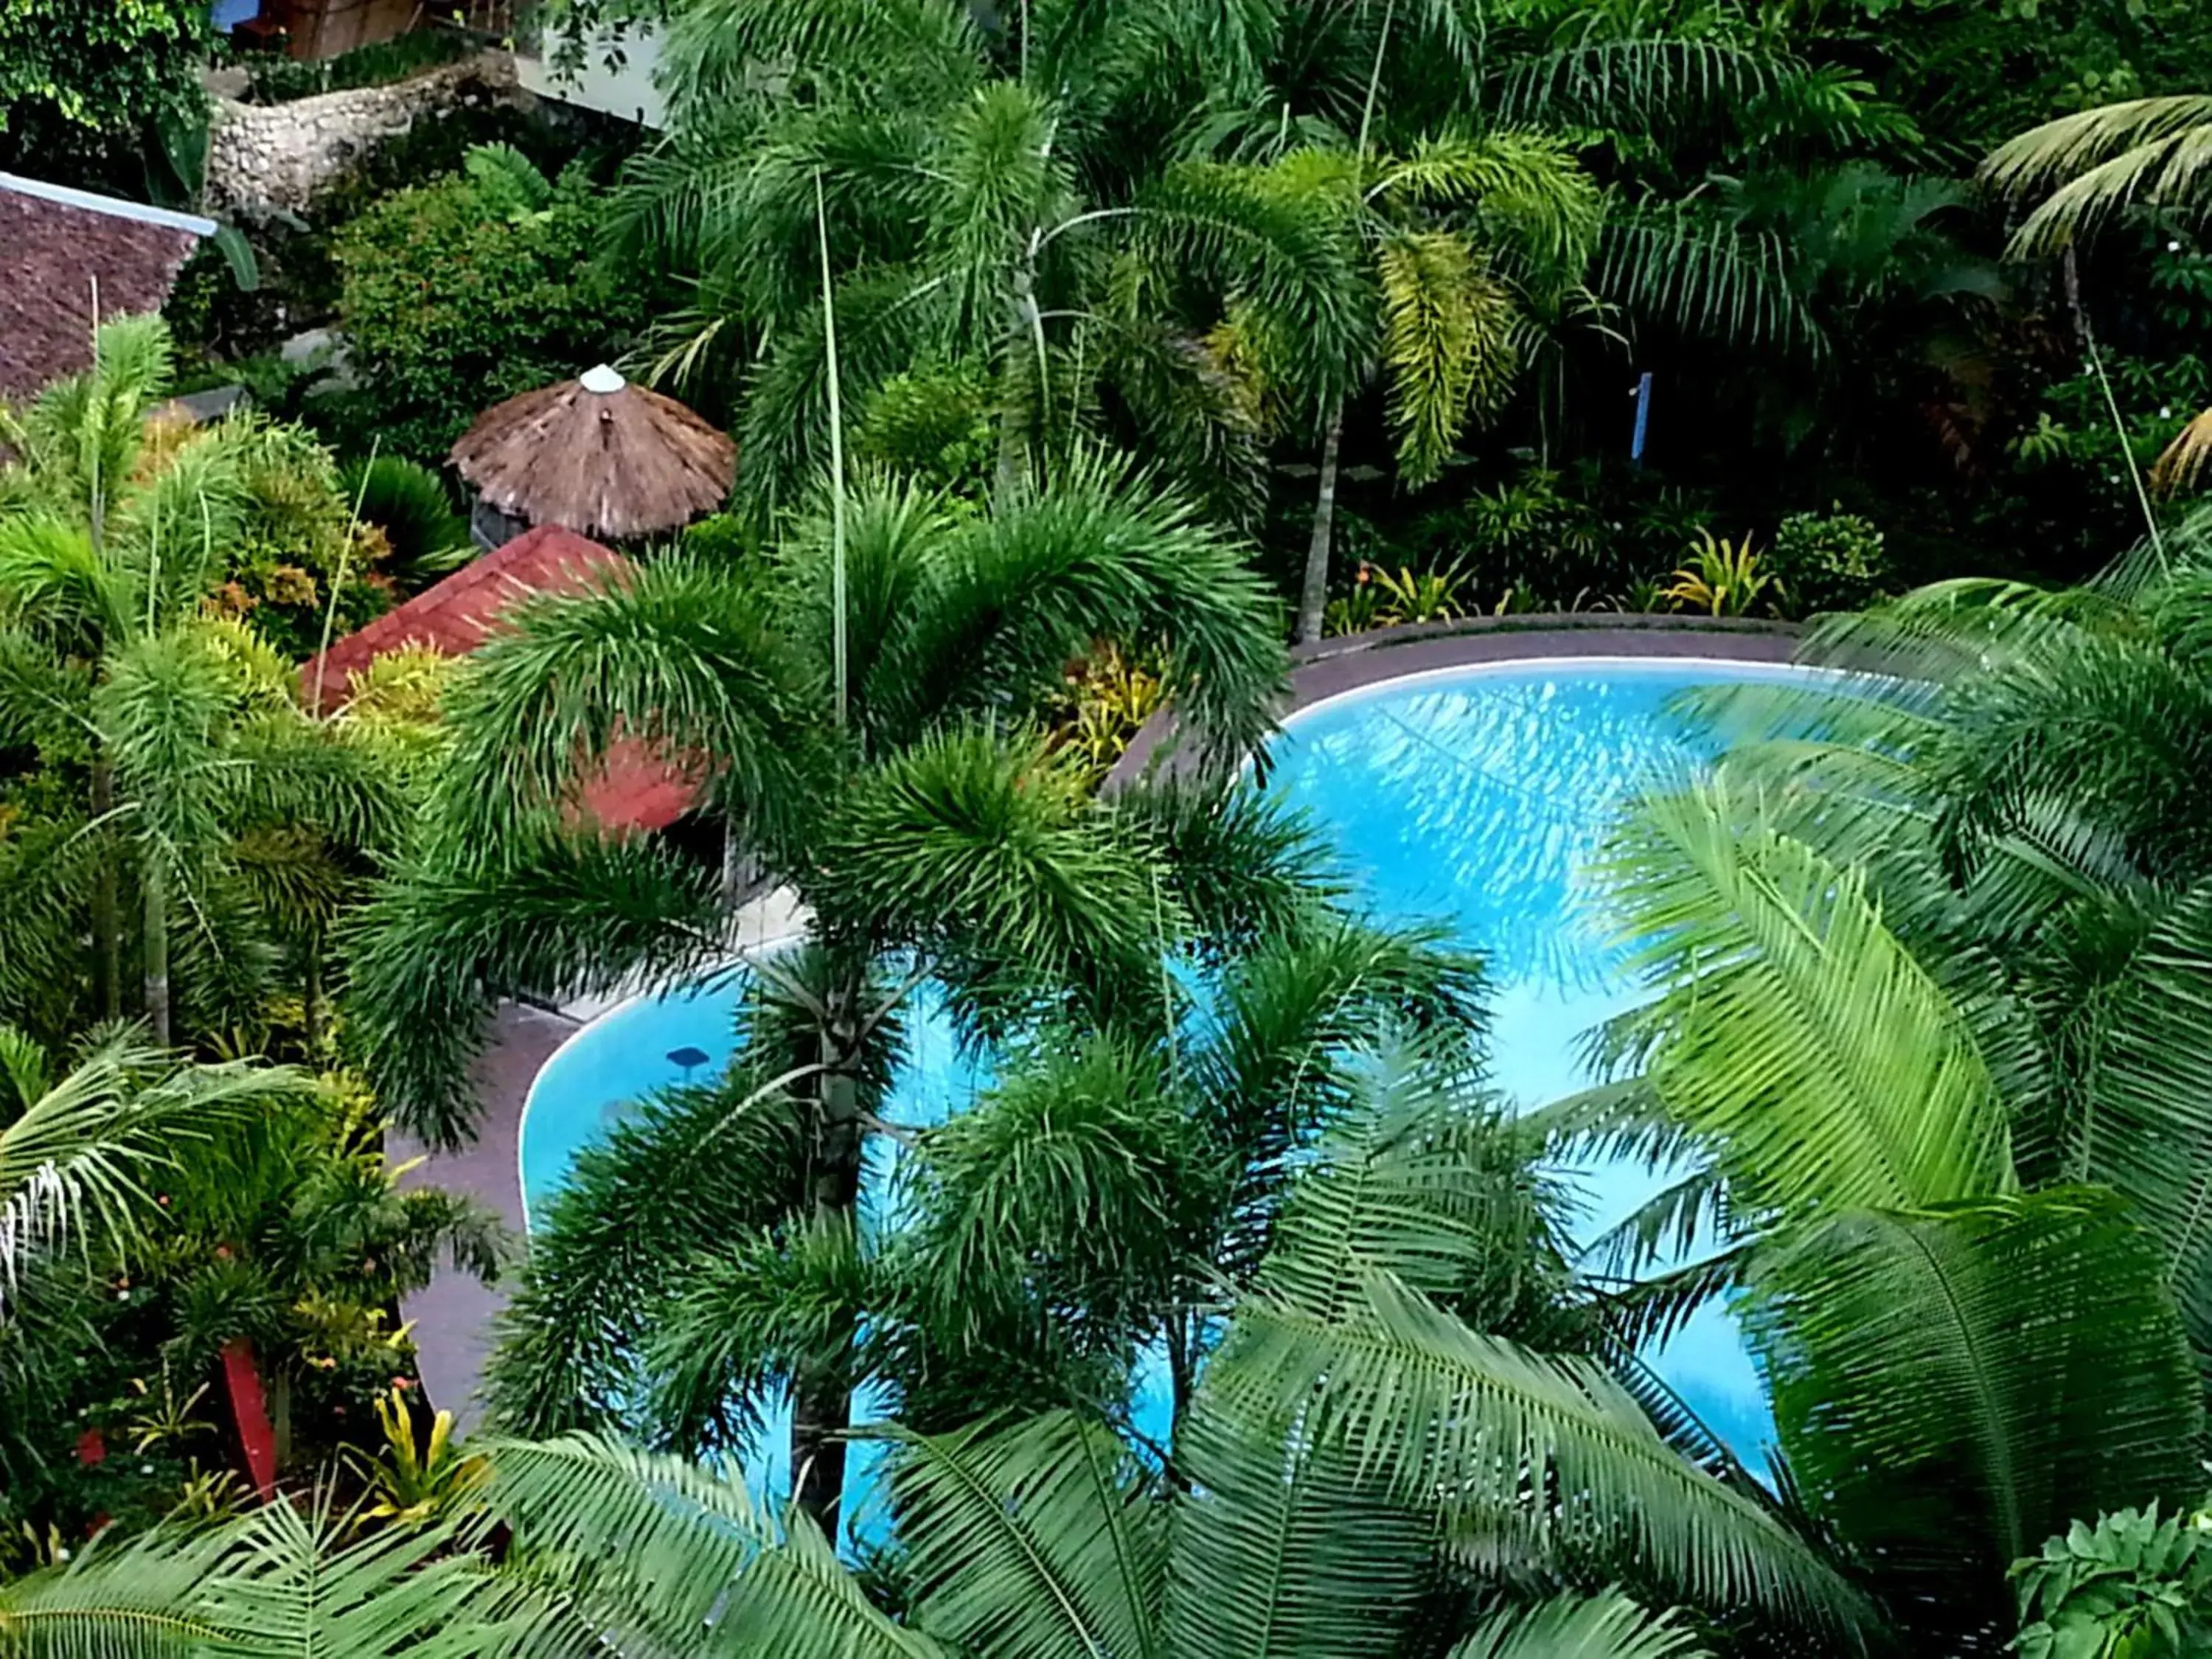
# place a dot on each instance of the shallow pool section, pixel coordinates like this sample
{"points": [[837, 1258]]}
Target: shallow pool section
{"points": [[1474, 797]]}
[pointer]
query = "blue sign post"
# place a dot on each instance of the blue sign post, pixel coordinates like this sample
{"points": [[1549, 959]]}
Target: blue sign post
{"points": [[1643, 416]]}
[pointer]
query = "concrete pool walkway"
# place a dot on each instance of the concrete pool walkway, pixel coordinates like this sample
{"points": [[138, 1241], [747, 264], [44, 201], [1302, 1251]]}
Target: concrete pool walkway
{"points": [[454, 1318]]}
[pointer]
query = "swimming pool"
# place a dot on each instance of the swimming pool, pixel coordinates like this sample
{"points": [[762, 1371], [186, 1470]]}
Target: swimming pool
{"points": [[1471, 796]]}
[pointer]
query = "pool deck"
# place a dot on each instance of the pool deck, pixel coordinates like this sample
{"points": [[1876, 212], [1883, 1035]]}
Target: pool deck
{"points": [[453, 1318]]}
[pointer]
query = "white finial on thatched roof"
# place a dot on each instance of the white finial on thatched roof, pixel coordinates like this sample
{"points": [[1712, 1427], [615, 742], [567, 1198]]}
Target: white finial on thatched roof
{"points": [[598, 455]]}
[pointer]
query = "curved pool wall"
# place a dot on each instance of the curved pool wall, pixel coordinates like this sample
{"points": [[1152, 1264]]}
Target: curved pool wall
{"points": [[1475, 796]]}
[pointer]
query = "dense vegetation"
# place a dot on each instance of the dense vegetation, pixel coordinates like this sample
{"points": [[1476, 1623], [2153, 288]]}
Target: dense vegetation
{"points": [[1082, 357], [88, 92]]}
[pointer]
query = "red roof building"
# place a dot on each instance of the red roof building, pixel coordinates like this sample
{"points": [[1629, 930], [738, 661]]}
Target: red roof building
{"points": [[637, 789]]}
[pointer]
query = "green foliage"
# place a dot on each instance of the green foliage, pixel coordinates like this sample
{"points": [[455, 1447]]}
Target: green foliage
{"points": [[2130, 1586], [425, 538], [281, 79], [1112, 697], [295, 562], [2151, 152], [83, 88], [459, 294], [1723, 579], [1832, 561], [1387, 599], [932, 424]]}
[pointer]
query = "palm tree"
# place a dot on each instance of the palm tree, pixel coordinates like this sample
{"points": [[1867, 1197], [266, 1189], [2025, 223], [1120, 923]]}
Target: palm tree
{"points": [[1366, 1470], [1930, 1007], [875, 758], [1440, 254], [2153, 153], [965, 197], [1089, 1209], [202, 776], [79, 1155], [2145, 152]]}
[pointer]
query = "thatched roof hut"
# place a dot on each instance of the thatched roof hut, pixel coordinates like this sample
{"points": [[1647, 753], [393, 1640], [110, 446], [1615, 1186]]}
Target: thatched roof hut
{"points": [[599, 456]]}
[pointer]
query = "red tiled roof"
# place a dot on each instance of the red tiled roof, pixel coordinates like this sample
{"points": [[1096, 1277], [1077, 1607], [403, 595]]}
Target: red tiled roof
{"points": [[54, 243], [637, 789]]}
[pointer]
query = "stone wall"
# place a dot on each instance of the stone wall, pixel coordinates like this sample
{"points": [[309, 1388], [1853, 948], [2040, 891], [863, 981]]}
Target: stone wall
{"points": [[265, 156]]}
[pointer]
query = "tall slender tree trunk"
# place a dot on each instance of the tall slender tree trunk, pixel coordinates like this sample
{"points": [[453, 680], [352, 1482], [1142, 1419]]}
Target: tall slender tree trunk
{"points": [[1313, 596], [822, 1391], [106, 920], [155, 880]]}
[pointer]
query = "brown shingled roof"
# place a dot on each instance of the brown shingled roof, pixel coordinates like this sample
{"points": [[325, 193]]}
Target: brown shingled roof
{"points": [[637, 789], [54, 243]]}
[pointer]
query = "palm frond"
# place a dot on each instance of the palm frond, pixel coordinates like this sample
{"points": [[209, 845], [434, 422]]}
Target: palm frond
{"points": [[668, 1558], [74, 1164], [1533, 200], [1608, 1627], [1633, 83], [1941, 1421], [1540, 1443], [285, 1580], [986, 856], [679, 656], [2147, 151], [1034, 1541], [1794, 1033], [1020, 594], [1280, 1549], [1247, 870], [2147, 1127], [538, 911], [1449, 340], [1287, 246], [1286, 1057], [739, 1319], [1070, 1182], [2183, 463], [1680, 267]]}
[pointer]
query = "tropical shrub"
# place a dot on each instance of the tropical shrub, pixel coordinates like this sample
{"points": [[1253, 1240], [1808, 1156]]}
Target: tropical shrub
{"points": [[1722, 579], [1361, 608], [296, 563], [931, 424], [2130, 1586], [1832, 561], [85, 89], [456, 294], [1112, 697], [1382, 598], [425, 537]]}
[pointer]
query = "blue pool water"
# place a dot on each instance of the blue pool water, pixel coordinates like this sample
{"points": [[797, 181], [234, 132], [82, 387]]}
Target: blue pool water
{"points": [[1474, 797]]}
